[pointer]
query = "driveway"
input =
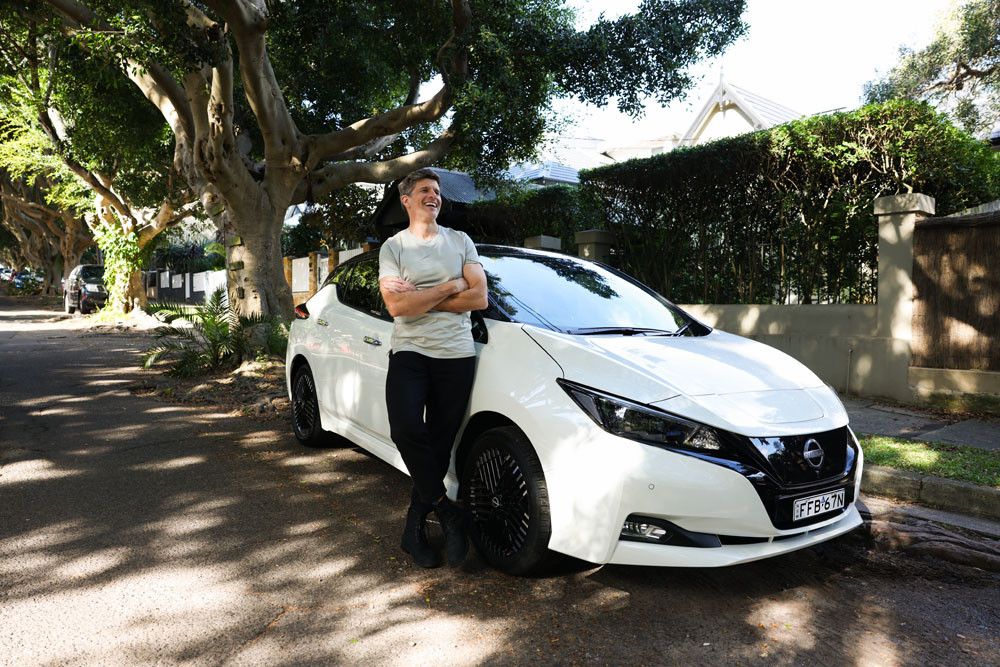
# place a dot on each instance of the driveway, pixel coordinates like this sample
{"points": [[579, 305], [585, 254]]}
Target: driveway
{"points": [[134, 531]]}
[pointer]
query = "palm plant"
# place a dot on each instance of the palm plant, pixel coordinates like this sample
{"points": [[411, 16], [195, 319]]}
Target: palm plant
{"points": [[219, 337]]}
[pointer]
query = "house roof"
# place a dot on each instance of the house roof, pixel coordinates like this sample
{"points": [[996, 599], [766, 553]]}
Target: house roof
{"points": [[457, 186], [561, 160], [760, 112], [545, 171]]}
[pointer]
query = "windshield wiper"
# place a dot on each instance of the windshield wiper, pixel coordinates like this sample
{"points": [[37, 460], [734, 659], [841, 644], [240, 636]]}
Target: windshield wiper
{"points": [[621, 331]]}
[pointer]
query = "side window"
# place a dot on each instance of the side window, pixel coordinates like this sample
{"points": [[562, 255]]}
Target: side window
{"points": [[335, 275], [358, 287]]}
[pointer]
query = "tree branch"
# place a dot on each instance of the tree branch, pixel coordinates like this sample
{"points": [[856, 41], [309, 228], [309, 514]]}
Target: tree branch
{"points": [[334, 176]]}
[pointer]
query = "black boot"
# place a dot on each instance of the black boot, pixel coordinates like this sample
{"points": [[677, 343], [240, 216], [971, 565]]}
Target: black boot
{"points": [[453, 522], [415, 539]]}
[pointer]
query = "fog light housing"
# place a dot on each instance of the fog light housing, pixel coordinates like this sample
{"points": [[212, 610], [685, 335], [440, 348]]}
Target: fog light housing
{"points": [[644, 532], [639, 528]]}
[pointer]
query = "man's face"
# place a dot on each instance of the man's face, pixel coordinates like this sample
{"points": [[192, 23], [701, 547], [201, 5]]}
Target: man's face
{"points": [[425, 200]]}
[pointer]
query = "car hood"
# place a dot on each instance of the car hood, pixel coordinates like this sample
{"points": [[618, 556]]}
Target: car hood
{"points": [[720, 378]]}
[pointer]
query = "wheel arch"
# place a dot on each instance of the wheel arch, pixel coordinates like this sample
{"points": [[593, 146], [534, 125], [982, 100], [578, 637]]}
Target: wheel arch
{"points": [[478, 424], [298, 361]]}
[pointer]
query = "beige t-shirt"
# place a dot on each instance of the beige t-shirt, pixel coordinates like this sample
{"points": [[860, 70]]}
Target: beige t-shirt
{"points": [[426, 264]]}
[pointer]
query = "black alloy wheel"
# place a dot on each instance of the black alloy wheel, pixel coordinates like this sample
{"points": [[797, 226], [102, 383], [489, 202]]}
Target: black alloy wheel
{"points": [[504, 489], [305, 409]]}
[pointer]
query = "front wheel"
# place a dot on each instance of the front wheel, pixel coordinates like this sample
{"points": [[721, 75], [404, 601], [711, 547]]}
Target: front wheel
{"points": [[68, 308], [305, 409], [504, 489]]}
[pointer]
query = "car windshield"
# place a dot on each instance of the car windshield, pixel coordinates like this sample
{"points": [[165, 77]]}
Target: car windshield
{"points": [[573, 296], [92, 272]]}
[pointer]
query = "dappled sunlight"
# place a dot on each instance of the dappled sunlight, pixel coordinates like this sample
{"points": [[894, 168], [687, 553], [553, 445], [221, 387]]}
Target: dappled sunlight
{"points": [[185, 525], [167, 409], [782, 621], [145, 532], [92, 564], [171, 464], [306, 528], [34, 470]]}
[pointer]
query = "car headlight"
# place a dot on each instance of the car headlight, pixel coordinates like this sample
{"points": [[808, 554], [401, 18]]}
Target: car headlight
{"points": [[92, 287], [624, 418]]}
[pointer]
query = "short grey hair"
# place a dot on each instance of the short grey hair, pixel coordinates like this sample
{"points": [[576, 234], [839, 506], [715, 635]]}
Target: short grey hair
{"points": [[410, 180]]}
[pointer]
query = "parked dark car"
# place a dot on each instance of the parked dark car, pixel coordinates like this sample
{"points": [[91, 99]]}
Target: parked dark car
{"points": [[84, 289]]}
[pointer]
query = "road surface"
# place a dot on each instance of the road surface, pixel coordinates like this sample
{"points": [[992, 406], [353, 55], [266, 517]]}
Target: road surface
{"points": [[134, 531]]}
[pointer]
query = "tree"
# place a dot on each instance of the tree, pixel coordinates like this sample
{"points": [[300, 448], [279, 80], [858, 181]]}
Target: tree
{"points": [[51, 238], [959, 70], [342, 217], [332, 91], [66, 120]]}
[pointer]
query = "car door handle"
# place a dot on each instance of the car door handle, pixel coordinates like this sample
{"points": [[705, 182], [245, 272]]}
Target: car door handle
{"points": [[322, 322], [372, 341]]}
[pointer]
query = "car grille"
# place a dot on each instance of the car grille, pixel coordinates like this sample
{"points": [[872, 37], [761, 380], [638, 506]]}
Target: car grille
{"points": [[786, 460], [781, 473]]}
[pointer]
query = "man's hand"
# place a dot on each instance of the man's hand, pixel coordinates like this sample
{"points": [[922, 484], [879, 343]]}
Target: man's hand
{"points": [[395, 285], [473, 297]]}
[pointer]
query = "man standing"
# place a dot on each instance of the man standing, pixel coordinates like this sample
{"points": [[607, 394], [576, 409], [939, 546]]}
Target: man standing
{"points": [[431, 279]]}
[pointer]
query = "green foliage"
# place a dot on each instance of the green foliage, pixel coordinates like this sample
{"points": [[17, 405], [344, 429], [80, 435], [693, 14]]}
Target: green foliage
{"points": [[339, 61], [959, 70], [122, 258], [342, 218], [786, 214], [219, 336], [519, 213]]}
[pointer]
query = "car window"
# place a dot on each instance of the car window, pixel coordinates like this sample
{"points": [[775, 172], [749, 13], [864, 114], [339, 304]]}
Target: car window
{"points": [[357, 286], [575, 296], [92, 272]]}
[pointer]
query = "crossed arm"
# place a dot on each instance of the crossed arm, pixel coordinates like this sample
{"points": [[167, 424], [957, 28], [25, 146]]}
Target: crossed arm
{"points": [[455, 296]]}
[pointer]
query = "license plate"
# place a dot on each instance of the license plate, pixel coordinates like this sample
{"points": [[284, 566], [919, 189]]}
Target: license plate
{"points": [[813, 505]]}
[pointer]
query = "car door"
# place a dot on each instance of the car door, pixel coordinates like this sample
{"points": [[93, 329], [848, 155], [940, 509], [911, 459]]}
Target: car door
{"points": [[371, 329]]}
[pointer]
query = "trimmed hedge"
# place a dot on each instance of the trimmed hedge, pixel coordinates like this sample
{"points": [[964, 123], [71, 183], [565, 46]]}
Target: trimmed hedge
{"points": [[555, 210], [784, 214]]}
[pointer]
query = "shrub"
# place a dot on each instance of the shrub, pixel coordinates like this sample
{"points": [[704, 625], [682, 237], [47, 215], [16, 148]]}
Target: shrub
{"points": [[786, 213], [219, 336]]}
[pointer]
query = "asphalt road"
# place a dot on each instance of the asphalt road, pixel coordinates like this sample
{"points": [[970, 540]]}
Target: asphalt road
{"points": [[134, 531]]}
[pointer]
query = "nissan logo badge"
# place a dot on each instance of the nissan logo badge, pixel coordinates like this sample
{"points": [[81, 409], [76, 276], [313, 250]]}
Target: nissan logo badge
{"points": [[813, 453]]}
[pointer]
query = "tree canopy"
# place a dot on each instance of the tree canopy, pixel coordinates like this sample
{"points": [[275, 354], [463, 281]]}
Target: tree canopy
{"points": [[277, 103], [959, 71]]}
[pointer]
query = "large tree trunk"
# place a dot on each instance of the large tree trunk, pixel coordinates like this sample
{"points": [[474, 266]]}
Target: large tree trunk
{"points": [[257, 276], [135, 296]]}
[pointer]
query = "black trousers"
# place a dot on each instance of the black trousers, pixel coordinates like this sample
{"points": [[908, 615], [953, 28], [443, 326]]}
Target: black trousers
{"points": [[426, 399]]}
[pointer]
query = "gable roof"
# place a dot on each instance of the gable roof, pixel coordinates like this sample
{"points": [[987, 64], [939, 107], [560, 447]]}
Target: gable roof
{"points": [[759, 112]]}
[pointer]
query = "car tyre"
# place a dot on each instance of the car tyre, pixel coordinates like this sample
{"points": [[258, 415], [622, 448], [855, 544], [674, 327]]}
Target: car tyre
{"points": [[305, 409], [69, 309], [503, 488]]}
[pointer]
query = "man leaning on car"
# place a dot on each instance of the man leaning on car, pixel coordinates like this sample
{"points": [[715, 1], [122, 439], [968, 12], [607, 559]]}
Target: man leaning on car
{"points": [[431, 279]]}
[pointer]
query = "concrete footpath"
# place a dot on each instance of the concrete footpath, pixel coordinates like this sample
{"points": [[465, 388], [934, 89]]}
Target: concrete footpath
{"points": [[980, 504]]}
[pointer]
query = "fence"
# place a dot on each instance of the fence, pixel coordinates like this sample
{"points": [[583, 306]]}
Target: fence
{"points": [[168, 285], [955, 311]]}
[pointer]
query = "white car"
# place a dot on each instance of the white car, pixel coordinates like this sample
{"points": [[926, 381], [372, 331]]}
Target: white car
{"points": [[604, 423]]}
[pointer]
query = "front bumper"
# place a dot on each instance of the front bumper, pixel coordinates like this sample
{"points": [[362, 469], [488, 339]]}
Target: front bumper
{"points": [[612, 478]]}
